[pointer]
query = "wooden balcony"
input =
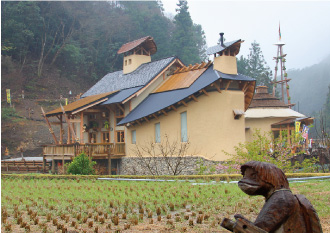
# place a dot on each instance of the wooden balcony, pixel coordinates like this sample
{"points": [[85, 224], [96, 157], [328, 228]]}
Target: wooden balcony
{"points": [[96, 151]]}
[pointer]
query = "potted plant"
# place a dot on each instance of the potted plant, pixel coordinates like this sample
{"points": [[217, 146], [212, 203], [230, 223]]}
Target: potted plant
{"points": [[106, 124]]}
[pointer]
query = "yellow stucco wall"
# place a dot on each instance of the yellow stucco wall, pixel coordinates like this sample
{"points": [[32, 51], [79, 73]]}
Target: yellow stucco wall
{"points": [[225, 64], [210, 123], [264, 124], [131, 62]]}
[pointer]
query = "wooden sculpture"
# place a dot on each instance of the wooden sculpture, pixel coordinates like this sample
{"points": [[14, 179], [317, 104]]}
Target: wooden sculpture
{"points": [[282, 211]]}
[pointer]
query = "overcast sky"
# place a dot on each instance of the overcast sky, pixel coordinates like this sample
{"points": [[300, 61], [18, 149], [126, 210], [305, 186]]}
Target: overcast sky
{"points": [[305, 26]]}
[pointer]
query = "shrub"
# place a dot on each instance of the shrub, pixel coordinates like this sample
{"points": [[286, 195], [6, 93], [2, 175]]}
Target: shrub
{"points": [[81, 165]]}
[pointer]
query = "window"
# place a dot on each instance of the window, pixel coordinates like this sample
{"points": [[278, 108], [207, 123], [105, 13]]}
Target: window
{"points": [[92, 137], [120, 136], [184, 133], [125, 62], [105, 137], [130, 61], [134, 137], [157, 132]]}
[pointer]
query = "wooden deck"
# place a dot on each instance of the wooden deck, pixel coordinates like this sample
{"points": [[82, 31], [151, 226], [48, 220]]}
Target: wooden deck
{"points": [[24, 167], [96, 151]]}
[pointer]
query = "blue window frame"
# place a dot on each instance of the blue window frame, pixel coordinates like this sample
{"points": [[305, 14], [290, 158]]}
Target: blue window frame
{"points": [[134, 137], [157, 132], [184, 131]]}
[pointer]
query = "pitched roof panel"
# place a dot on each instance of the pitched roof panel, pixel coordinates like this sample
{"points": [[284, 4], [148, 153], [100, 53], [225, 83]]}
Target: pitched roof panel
{"points": [[121, 95], [118, 81], [158, 101], [219, 48], [71, 107]]}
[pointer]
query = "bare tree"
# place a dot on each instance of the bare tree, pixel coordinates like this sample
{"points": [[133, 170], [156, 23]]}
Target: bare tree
{"points": [[323, 133], [173, 155]]}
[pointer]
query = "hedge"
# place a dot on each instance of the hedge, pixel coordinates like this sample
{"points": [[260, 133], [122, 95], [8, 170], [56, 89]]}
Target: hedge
{"points": [[219, 177]]}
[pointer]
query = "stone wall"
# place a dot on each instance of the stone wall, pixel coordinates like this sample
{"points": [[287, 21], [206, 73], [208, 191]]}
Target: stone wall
{"points": [[165, 165]]}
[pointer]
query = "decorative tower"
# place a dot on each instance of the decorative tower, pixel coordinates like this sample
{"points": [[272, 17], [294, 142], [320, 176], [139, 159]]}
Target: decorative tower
{"points": [[280, 58]]}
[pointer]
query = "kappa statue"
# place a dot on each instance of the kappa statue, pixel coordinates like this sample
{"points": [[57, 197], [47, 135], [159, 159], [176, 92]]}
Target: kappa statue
{"points": [[282, 211]]}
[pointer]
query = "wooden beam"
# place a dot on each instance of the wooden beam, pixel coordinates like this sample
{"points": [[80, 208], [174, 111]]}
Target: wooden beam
{"points": [[194, 98], [204, 91], [49, 126], [75, 120], [164, 112], [138, 122], [154, 115], [121, 108], [227, 86], [173, 107], [61, 130], [93, 110], [183, 102], [69, 123], [146, 119], [244, 86], [217, 87]]}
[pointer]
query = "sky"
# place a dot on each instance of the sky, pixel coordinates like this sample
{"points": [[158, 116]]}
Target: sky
{"points": [[305, 26]]}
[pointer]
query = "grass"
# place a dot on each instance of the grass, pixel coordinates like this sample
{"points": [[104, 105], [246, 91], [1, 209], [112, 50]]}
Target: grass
{"points": [[120, 206]]}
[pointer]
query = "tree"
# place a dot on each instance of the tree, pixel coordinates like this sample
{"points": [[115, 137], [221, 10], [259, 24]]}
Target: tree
{"points": [[256, 67], [187, 36], [81, 165], [167, 157]]}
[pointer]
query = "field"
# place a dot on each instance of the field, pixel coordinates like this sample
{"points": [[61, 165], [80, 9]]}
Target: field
{"points": [[60, 205]]}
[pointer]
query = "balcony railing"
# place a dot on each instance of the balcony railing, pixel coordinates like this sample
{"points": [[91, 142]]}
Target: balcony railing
{"points": [[72, 150]]}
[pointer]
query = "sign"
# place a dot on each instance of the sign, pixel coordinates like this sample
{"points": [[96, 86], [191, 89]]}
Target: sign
{"points": [[297, 126], [8, 96]]}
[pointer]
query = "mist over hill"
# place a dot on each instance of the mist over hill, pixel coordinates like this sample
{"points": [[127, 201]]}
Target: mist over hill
{"points": [[309, 87]]}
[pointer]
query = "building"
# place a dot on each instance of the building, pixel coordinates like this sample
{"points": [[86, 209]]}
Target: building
{"points": [[148, 101], [269, 114]]}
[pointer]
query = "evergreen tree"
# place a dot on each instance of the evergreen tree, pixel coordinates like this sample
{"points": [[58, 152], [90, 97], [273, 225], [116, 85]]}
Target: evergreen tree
{"points": [[257, 67], [186, 36]]}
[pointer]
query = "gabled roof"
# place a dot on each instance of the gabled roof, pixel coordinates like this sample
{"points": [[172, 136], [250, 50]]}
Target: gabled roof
{"points": [[140, 77], [147, 42], [158, 101], [82, 104], [121, 95], [218, 48]]}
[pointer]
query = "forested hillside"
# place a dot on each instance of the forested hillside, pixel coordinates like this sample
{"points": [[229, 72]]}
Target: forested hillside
{"points": [[309, 87], [81, 39]]}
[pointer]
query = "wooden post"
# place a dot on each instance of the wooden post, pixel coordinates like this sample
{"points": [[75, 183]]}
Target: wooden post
{"points": [[43, 164], [63, 164], [69, 136], [81, 127], [109, 159], [49, 126], [61, 129], [53, 166], [70, 128]]}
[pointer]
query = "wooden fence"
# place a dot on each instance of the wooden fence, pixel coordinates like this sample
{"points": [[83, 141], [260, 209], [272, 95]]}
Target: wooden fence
{"points": [[24, 167]]}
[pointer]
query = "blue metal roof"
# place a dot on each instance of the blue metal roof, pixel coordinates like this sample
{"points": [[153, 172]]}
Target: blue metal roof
{"points": [[158, 101], [121, 95]]}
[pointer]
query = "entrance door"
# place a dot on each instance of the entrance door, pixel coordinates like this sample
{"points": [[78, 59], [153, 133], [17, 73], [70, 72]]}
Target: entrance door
{"points": [[115, 166]]}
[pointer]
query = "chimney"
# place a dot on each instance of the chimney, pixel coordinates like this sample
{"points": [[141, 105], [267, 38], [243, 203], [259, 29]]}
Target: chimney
{"points": [[221, 39], [226, 61]]}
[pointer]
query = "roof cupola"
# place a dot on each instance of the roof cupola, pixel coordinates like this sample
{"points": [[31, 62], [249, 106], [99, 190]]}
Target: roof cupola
{"points": [[137, 52], [225, 55]]}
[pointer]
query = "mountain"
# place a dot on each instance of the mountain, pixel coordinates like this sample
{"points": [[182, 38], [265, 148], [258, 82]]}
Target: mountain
{"points": [[309, 87]]}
